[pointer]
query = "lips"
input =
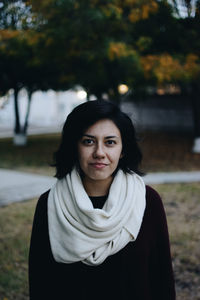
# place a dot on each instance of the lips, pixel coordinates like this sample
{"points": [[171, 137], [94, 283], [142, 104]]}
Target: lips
{"points": [[98, 165]]}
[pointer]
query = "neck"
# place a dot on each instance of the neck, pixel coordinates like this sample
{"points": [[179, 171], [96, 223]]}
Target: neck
{"points": [[96, 188]]}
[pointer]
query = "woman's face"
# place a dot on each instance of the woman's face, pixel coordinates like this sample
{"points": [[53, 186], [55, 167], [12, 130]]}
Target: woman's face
{"points": [[99, 151]]}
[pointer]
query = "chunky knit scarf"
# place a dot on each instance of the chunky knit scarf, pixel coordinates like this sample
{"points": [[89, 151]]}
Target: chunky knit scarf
{"points": [[79, 232]]}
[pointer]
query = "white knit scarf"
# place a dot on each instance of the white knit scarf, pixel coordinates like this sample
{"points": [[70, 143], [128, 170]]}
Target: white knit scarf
{"points": [[80, 232]]}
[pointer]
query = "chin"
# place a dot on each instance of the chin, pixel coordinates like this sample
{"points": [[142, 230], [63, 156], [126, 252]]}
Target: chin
{"points": [[99, 176]]}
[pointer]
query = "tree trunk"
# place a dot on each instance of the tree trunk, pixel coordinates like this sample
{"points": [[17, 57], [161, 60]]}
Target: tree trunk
{"points": [[16, 106], [27, 112], [196, 118], [20, 138]]}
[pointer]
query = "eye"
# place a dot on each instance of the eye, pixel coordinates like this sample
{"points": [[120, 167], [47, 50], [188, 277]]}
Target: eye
{"points": [[88, 142], [110, 142]]}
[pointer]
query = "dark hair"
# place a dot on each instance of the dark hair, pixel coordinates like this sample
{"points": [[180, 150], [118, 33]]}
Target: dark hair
{"points": [[82, 117]]}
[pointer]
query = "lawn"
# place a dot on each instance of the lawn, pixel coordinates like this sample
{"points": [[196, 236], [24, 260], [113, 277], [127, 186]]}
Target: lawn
{"points": [[181, 201], [182, 205], [15, 230], [168, 152], [35, 157]]}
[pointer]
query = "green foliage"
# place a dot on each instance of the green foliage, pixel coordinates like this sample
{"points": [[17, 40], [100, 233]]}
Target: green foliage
{"points": [[97, 44]]}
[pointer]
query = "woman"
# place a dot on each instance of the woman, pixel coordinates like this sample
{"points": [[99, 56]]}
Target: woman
{"points": [[100, 233]]}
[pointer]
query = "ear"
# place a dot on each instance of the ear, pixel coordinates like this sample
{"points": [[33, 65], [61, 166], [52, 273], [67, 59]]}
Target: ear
{"points": [[121, 155]]}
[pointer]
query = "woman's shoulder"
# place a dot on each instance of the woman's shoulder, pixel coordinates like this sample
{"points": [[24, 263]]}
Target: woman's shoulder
{"points": [[152, 193], [43, 197], [41, 206], [153, 199]]}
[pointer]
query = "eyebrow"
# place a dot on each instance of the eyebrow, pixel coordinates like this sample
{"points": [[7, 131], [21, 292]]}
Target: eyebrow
{"points": [[107, 137]]}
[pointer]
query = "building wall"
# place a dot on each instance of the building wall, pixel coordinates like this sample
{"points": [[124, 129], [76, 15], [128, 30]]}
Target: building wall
{"points": [[161, 113]]}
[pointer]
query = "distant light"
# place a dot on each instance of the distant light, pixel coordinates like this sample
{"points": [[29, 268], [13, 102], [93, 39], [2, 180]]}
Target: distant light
{"points": [[81, 94], [160, 91], [105, 96], [122, 89], [93, 97]]}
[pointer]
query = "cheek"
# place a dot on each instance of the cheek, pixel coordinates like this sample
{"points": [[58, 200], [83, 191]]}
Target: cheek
{"points": [[83, 155], [116, 156]]}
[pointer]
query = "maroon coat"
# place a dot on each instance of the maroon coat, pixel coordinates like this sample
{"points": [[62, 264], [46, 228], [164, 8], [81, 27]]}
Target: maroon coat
{"points": [[142, 270]]}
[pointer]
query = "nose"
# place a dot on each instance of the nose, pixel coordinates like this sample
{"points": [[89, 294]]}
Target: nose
{"points": [[99, 151]]}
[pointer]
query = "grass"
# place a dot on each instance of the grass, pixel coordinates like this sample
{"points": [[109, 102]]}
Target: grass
{"points": [[182, 204], [168, 152], [15, 229], [35, 157]]}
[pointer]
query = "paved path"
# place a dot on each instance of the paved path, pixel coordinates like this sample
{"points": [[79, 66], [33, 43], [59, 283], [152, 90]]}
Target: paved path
{"points": [[172, 177], [18, 186]]}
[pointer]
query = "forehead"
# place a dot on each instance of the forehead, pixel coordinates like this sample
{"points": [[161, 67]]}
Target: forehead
{"points": [[103, 128]]}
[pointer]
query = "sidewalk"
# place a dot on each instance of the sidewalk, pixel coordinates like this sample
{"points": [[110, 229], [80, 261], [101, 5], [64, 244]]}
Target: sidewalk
{"points": [[172, 177], [17, 186]]}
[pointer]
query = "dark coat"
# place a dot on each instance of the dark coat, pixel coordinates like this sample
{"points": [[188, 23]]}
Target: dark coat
{"points": [[140, 271]]}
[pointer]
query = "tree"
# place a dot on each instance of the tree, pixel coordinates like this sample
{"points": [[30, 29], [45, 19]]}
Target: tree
{"points": [[22, 60], [101, 44], [14, 53], [177, 59], [140, 43], [95, 48]]}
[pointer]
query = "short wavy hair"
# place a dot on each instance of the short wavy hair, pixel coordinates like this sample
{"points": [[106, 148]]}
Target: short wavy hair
{"points": [[82, 117]]}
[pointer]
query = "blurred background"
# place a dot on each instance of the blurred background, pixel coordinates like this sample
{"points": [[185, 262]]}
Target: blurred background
{"points": [[144, 55]]}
